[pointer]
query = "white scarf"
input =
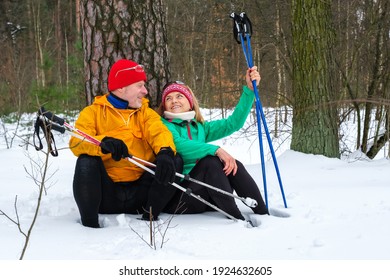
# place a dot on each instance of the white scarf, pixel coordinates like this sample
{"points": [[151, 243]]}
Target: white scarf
{"points": [[185, 116]]}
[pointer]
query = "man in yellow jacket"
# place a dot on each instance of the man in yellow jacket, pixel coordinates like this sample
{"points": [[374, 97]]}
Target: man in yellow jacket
{"points": [[105, 181]]}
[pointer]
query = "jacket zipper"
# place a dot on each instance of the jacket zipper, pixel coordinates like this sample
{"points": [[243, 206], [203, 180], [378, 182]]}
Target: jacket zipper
{"points": [[189, 130]]}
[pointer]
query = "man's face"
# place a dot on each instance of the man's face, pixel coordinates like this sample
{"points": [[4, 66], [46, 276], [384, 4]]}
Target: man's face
{"points": [[133, 94]]}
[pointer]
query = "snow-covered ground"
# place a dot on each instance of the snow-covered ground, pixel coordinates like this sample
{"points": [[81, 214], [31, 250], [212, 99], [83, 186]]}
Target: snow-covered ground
{"points": [[339, 210]]}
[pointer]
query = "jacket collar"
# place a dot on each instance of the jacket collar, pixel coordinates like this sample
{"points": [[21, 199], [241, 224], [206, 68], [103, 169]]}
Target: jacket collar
{"points": [[117, 102], [185, 116], [102, 100]]}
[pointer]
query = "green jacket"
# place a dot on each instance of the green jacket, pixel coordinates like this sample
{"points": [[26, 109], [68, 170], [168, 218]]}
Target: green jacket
{"points": [[191, 137]]}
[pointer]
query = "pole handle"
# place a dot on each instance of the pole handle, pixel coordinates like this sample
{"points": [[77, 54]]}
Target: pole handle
{"points": [[51, 116], [237, 27]]}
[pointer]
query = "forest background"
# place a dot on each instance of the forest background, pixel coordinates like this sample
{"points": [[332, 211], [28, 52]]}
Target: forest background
{"points": [[43, 57]]}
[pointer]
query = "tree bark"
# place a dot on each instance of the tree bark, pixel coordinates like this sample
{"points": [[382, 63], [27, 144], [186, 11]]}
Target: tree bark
{"points": [[379, 72], [315, 123], [124, 29]]}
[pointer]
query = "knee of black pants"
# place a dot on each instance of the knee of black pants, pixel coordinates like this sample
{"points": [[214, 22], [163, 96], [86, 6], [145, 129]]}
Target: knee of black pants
{"points": [[239, 164], [87, 187], [86, 164], [88, 170], [210, 163], [210, 170]]}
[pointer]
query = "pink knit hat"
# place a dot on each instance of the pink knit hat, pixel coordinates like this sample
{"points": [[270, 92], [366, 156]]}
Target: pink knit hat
{"points": [[179, 88], [125, 72]]}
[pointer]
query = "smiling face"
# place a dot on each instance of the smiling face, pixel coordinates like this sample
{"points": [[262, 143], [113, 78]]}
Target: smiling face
{"points": [[176, 102], [133, 94]]}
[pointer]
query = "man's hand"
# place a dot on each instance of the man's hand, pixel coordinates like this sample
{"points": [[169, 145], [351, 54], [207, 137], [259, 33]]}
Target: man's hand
{"points": [[165, 166], [116, 147]]}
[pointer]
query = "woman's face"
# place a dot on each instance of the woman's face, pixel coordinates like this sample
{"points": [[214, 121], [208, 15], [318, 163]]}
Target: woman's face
{"points": [[176, 102]]}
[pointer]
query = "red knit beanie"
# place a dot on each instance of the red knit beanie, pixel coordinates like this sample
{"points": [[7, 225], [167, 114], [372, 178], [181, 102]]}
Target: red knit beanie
{"points": [[125, 72], [179, 88]]}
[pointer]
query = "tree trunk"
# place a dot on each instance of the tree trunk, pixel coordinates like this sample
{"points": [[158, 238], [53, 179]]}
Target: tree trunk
{"points": [[379, 72], [381, 141], [40, 69], [315, 123], [124, 29], [279, 70], [78, 17]]}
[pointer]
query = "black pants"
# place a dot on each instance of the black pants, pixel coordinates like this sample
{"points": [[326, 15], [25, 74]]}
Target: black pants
{"points": [[95, 192], [210, 170]]}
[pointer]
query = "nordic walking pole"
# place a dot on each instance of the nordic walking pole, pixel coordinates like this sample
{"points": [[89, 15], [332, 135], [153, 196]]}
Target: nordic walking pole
{"points": [[245, 27], [56, 125], [250, 202], [186, 191], [240, 28], [247, 30], [249, 59], [84, 136]]}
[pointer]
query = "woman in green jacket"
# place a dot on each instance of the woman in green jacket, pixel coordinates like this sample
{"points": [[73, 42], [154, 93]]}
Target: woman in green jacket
{"points": [[204, 161]]}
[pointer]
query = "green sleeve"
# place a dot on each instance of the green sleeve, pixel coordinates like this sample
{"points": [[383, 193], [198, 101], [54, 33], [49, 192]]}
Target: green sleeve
{"points": [[218, 129]]}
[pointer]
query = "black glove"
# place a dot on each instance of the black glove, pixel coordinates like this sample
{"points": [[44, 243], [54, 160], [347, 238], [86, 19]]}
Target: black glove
{"points": [[116, 147], [165, 166]]}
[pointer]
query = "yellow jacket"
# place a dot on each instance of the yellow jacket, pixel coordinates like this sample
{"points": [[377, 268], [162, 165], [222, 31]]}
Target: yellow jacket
{"points": [[141, 129]]}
